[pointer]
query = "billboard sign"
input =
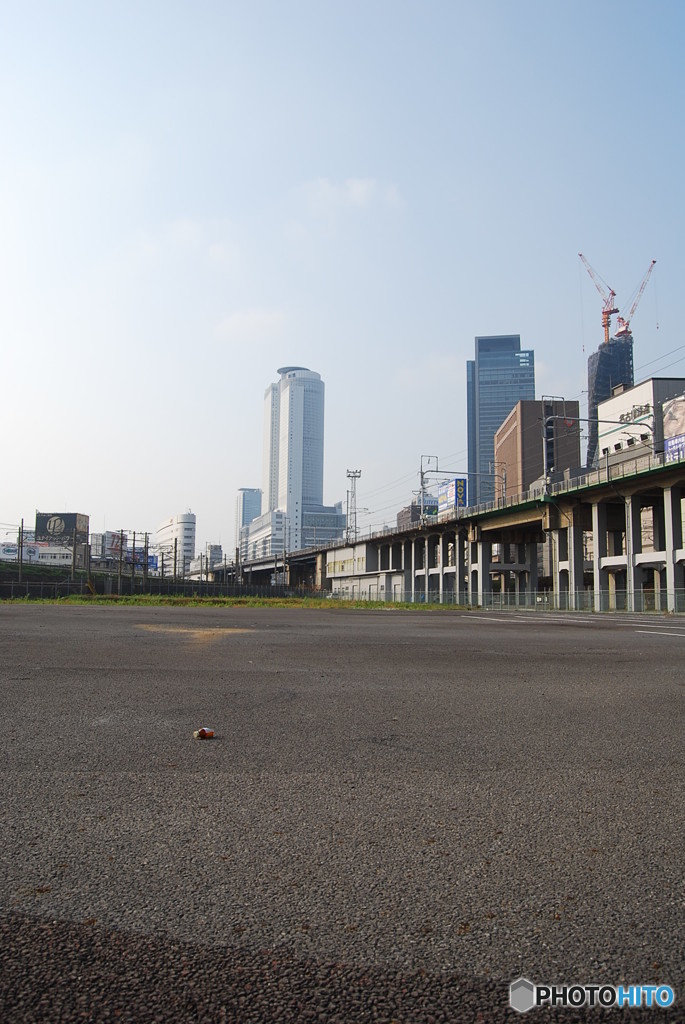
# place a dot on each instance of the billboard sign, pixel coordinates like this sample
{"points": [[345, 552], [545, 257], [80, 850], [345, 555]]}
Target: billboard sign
{"points": [[57, 528], [452, 494], [674, 429], [111, 544], [152, 560], [30, 551]]}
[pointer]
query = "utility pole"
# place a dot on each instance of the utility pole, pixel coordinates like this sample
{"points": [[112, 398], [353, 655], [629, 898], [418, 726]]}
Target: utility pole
{"points": [[73, 556], [121, 559], [145, 564], [21, 548], [133, 563], [423, 477], [175, 556], [492, 467], [353, 475]]}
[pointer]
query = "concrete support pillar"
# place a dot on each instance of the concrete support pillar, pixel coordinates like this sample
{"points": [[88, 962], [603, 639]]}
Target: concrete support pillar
{"points": [[533, 572], [659, 576], [611, 587], [559, 541], [576, 560], [471, 573], [442, 562], [426, 563], [413, 570], [484, 581], [615, 542], [634, 574], [673, 524], [658, 513], [461, 582], [599, 530]]}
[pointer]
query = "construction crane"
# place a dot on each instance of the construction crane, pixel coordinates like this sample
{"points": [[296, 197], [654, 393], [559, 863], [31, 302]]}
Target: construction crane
{"points": [[624, 323], [609, 297]]}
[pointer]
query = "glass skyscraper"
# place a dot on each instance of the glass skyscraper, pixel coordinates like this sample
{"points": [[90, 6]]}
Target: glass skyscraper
{"points": [[501, 375], [248, 506]]}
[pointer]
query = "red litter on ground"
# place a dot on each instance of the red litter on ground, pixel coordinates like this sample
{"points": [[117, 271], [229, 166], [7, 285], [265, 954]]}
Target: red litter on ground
{"points": [[204, 734]]}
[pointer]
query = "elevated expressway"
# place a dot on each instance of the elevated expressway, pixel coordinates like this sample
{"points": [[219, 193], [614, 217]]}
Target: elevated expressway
{"points": [[612, 538]]}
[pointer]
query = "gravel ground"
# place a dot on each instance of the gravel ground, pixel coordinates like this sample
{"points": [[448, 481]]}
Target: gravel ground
{"points": [[400, 813]]}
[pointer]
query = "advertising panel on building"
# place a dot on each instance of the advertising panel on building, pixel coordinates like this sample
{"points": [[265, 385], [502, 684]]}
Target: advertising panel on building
{"points": [[674, 429], [452, 494], [58, 528], [152, 560], [111, 545], [29, 552]]}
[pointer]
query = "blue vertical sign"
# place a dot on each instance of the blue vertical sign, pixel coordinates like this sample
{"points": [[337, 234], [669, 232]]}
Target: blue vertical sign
{"points": [[452, 494]]}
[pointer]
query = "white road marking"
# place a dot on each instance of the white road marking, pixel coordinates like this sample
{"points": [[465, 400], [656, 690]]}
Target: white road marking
{"points": [[490, 618], [660, 632]]}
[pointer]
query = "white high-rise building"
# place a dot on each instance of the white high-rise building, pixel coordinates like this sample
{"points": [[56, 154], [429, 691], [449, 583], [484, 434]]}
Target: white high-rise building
{"points": [[292, 475], [272, 405], [294, 462], [176, 536]]}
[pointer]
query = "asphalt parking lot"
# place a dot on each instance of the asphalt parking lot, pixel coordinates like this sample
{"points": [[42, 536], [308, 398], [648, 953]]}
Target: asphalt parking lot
{"points": [[400, 812]]}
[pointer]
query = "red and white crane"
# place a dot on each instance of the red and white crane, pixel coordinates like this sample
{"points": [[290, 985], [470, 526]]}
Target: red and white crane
{"points": [[624, 322], [609, 296], [609, 305]]}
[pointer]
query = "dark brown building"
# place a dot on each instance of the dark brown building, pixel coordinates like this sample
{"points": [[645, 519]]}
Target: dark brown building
{"points": [[536, 436]]}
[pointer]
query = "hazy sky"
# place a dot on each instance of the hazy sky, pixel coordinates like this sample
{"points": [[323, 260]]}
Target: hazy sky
{"points": [[194, 194]]}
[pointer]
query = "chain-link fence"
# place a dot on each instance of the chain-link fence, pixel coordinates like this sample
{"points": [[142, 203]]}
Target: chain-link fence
{"points": [[582, 600], [37, 590]]}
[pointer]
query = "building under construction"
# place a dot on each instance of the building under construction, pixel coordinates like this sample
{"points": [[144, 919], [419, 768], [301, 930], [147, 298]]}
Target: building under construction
{"points": [[610, 367]]}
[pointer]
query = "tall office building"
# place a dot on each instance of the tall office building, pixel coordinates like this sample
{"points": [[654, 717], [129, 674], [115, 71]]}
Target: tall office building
{"points": [[609, 367], [500, 375], [272, 429], [292, 474], [293, 464], [248, 505]]}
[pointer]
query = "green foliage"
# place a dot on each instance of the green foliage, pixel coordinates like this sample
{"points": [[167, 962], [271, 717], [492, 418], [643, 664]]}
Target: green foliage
{"points": [[195, 601]]}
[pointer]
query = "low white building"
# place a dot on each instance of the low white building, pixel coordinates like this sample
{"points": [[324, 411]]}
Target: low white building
{"points": [[422, 565], [264, 536], [631, 422], [175, 543]]}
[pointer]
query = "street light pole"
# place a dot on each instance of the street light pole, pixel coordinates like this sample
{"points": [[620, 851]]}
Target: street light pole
{"points": [[21, 548], [422, 475]]}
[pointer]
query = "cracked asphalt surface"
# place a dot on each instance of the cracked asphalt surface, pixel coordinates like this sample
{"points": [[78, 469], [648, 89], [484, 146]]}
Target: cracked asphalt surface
{"points": [[401, 812]]}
